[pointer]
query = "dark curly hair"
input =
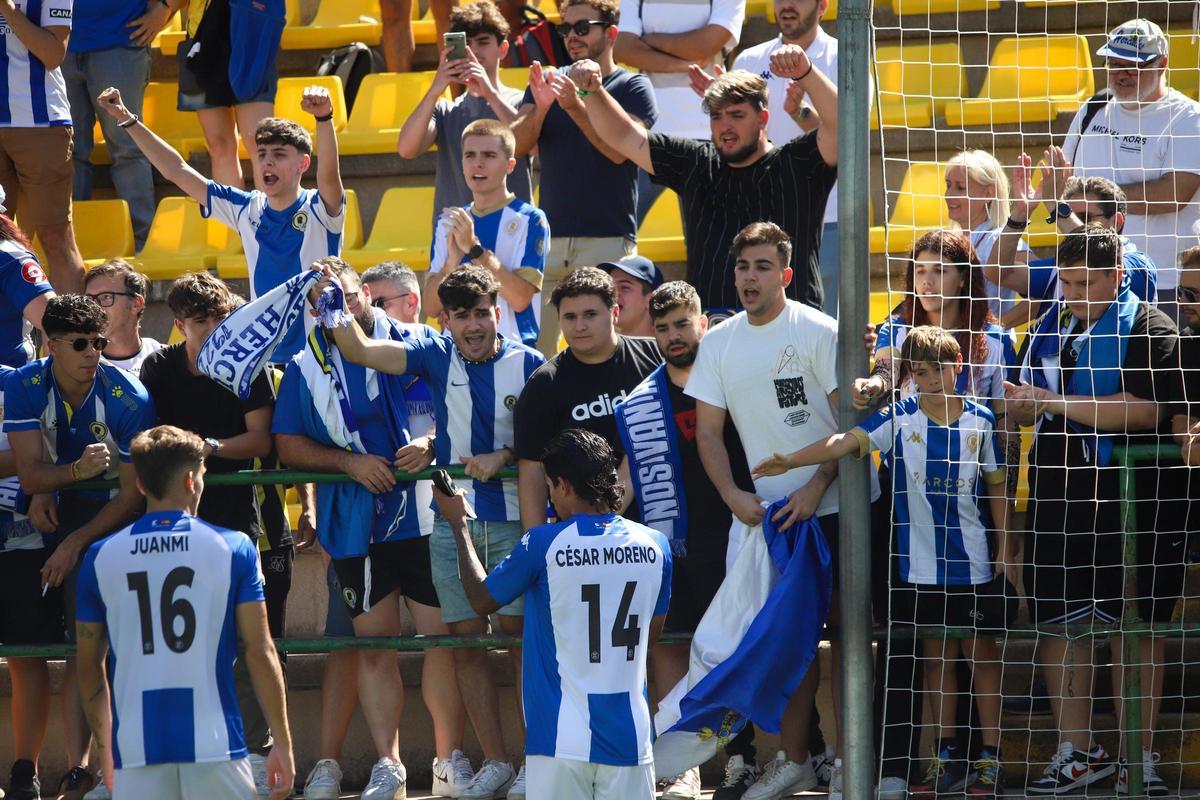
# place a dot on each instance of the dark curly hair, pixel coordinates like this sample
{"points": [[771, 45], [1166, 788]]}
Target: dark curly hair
{"points": [[585, 281], [73, 313], [587, 462], [465, 287]]}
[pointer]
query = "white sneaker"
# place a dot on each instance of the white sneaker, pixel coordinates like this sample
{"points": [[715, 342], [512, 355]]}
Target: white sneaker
{"points": [[258, 767], [892, 788], [324, 782], [491, 782], [452, 775], [685, 786], [517, 790], [388, 779], [782, 778], [835, 780], [100, 792]]}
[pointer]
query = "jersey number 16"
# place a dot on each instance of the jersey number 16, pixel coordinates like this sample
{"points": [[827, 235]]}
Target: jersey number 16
{"points": [[625, 630], [170, 610]]}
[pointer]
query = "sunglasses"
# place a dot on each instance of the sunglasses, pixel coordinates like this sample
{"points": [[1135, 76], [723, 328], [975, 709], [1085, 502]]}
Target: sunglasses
{"points": [[382, 302], [581, 28], [106, 299], [81, 344], [1187, 295]]}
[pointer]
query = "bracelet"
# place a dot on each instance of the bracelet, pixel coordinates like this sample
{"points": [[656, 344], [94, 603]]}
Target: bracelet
{"points": [[74, 473], [582, 93], [805, 75], [1016, 224], [129, 123], [325, 118]]}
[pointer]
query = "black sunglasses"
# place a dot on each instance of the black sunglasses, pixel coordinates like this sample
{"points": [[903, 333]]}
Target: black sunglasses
{"points": [[79, 345], [580, 28], [1187, 295]]}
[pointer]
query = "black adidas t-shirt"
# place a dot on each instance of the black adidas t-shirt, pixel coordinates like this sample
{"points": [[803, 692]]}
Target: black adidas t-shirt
{"points": [[566, 393]]}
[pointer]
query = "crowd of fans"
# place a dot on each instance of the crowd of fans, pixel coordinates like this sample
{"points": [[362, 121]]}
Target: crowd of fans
{"points": [[744, 351]]}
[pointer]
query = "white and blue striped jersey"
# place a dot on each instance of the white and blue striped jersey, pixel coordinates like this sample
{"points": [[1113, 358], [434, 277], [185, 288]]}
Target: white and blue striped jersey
{"points": [[22, 280], [166, 588], [473, 410], [592, 585], [117, 408], [278, 244], [520, 237], [32, 96], [16, 531], [938, 472], [983, 382]]}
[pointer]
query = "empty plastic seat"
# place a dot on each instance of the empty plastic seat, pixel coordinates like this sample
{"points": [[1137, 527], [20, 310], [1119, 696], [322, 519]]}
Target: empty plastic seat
{"points": [[402, 230], [515, 77], [915, 82], [660, 237], [234, 265], [338, 22], [180, 129], [903, 7], [170, 36], [919, 207], [385, 100], [180, 240], [103, 231], [1030, 79], [1183, 67]]}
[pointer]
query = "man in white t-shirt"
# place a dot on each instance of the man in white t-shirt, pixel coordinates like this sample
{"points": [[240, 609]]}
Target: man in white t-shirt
{"points": [[773, 368], [663, 39], [120, 290], [1145, 139]]}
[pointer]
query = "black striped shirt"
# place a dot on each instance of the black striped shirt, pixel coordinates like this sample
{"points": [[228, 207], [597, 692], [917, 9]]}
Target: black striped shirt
{"points": [[787, 186]]}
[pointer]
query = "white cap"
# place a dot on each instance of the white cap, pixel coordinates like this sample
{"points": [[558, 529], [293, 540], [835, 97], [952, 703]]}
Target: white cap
{"points": [[1138, 40]]}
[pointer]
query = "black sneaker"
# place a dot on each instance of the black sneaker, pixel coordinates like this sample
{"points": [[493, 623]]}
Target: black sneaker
{"points": [[739, 776], [988, 780], [946, 774], [822, 764], [76, 783], [23, 783], [1072, 769]]}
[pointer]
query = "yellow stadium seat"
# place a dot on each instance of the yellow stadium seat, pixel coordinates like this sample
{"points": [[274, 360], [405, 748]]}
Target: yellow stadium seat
{"points": [[338, 22], [1030, 79], [402, 231], [515, 77], [660, 237], [233, 265], [915, 82], [170, 36], [100, 154], [919, 206], [103, 231], [424, 29], [921, 7], [384, 102], [180, 240], [180, 129], [1183, 67]]}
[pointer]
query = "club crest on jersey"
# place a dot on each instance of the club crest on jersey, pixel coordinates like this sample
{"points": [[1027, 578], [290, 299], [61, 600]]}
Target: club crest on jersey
{"points": [[32, 271], [99, 430], [973, 442], [511, 227], [118, 391], [300, 220], [541, 247], [510, 402]]}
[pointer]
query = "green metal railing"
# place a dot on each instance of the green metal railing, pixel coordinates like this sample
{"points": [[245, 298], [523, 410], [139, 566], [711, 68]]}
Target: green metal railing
{"points": [[1131, 627]]}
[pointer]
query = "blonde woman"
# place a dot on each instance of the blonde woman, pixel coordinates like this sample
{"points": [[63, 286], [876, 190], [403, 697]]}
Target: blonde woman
{"points": [[978, 202]]}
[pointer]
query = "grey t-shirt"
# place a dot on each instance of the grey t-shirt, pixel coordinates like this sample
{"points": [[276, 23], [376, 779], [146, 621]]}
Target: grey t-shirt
{"points": [[451, 118]]}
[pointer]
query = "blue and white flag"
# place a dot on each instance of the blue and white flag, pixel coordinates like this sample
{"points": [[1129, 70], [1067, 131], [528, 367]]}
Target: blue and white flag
{"points": [[753, 646], [242, 344], [646, 425]]}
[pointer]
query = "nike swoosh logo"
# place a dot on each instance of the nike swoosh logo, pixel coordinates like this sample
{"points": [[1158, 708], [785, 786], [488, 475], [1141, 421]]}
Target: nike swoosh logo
{"points": [[452, 383], [1078, 771]]}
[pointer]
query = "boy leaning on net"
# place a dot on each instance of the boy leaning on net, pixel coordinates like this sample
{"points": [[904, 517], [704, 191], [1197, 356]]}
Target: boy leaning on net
{"points": [[948, 469]]}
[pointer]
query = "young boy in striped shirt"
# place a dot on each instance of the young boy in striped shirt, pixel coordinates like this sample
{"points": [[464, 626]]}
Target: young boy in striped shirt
{"points": [[946, 462]]}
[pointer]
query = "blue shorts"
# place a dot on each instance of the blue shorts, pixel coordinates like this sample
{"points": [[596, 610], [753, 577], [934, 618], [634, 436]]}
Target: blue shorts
{"points": [[493, 542]]}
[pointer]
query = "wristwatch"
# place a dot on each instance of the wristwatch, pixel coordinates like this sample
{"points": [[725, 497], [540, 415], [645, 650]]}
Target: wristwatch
{"points": [[213, 444], [1061, 211], [475, 252]]}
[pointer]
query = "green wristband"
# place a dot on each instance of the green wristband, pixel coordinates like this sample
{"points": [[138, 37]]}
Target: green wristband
{"points": [[582, 93]]}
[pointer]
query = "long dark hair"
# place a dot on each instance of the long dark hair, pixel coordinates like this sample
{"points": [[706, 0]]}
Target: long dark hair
{"points": [[954, 250], [10, 232]]}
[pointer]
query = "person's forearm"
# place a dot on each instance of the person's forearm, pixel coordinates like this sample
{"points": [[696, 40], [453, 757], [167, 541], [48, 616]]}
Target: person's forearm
{"points": [[503, 111], [579, 115], [694, 47], [531, 493], [262, 662], [1181, 427], [419, 131], [517, 291], [715, 458], [1163, 195], [251, 444], [1118, 412], [169, 162], [115, 514], [528, 128], [608, 122], [824, 96], [48, 48], [93, 688], [302, 453], [471, 571], [826, 454], [8, 464], [1003, 268], [384, 356], [429, 295], [42, 477], [329, 175], [998, 504], [635, 52]]}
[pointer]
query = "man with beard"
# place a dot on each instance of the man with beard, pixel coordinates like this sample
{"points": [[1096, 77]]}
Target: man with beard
{"points": [[698, 528], [740, 177], [596, 224]]}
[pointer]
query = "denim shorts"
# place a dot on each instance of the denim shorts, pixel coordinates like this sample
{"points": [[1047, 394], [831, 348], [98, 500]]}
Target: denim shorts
{"points": [[199, 102], [493, 542]]}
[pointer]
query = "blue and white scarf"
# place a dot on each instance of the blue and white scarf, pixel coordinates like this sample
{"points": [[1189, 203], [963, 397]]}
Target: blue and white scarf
{"points": [[241, 345], [1100, 356], [646, 425]]}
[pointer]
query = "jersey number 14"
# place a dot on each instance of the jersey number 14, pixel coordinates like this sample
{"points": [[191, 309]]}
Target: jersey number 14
{"points": [[170, 610], [625, 630]]}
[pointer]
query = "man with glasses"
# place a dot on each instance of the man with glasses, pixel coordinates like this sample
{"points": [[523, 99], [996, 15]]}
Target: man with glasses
{"points": [[66, 417], [588, 189], [1144, 137], [120, 290]]}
